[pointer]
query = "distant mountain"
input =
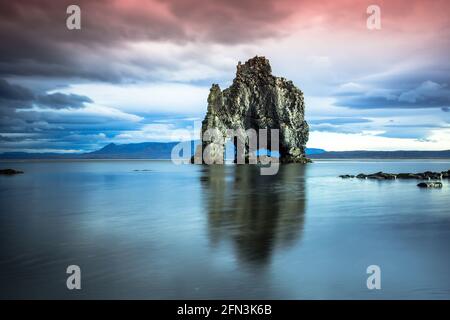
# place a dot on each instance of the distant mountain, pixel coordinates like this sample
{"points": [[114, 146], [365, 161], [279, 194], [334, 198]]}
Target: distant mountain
{"points": [[145, 150], [163, 150], [444, 154]]}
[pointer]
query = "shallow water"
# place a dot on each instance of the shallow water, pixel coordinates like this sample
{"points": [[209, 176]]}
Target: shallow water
{"points": [[193, 231]]}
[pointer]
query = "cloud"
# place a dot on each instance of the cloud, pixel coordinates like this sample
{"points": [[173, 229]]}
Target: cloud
{"points": [[426, 91], [166, 132], [331, 141], [427, 94], [107, 48], [30, 120], [89, 113], [14, 92], [343, 125], [339, 121], [16, 96], [109, 25], [60, 101], [147, 98], [134, 61]]}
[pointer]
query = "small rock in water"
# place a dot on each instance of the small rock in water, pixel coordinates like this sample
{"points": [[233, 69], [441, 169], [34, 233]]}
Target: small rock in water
{"points": [[346, 176], [10, 171], [435, 184], [381, 176]]}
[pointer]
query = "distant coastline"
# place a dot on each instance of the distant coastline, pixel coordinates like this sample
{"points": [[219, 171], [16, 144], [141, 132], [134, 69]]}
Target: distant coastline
{"points": [[361, 154], [162, 151]]}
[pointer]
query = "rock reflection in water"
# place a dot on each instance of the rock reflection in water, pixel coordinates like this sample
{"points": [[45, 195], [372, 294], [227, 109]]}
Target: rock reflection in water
{"points": [[257, 213]]}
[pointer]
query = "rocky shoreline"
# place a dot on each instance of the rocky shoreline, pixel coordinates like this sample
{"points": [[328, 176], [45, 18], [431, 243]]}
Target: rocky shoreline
{"points": [[427, 175]]}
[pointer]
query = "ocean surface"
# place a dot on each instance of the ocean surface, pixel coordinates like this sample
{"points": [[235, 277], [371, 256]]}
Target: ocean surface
{"points": [[190, 231]]}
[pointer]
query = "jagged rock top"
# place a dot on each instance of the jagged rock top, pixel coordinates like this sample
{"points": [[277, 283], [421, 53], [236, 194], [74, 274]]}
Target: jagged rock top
{"points": [[257, 71], [254, 66]]}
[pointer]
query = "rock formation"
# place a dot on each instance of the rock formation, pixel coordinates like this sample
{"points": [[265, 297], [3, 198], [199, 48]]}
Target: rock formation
{"points": [[435, 184], [256, 100], [427, 175]]}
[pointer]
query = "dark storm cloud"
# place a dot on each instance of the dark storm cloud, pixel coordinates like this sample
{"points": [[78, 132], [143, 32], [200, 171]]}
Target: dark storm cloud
{"points": [[36, 42], [15, 96], [14, 92], [61, 100], [39, 44]]}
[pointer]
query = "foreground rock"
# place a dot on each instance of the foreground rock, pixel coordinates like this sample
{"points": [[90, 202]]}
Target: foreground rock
{"points": [[257, 100], [435, 184], [10, 172], [427, 175]]}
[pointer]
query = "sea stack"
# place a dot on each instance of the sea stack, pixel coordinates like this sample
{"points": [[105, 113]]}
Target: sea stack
{"points": [[258, 100]]}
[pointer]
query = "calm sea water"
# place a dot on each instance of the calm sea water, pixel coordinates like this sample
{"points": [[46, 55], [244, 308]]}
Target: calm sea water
{"points": [[194, 231]]}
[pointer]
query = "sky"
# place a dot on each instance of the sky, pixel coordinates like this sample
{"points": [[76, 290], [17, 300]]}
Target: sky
{"points": [[141, 70]]}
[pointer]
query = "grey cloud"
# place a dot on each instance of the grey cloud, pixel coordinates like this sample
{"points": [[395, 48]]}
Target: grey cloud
{"points": [[39, 44], [14, 92], [426, 90], [60, 100], [427, 94], [22, 127], [16, 96], [13, 138]]}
